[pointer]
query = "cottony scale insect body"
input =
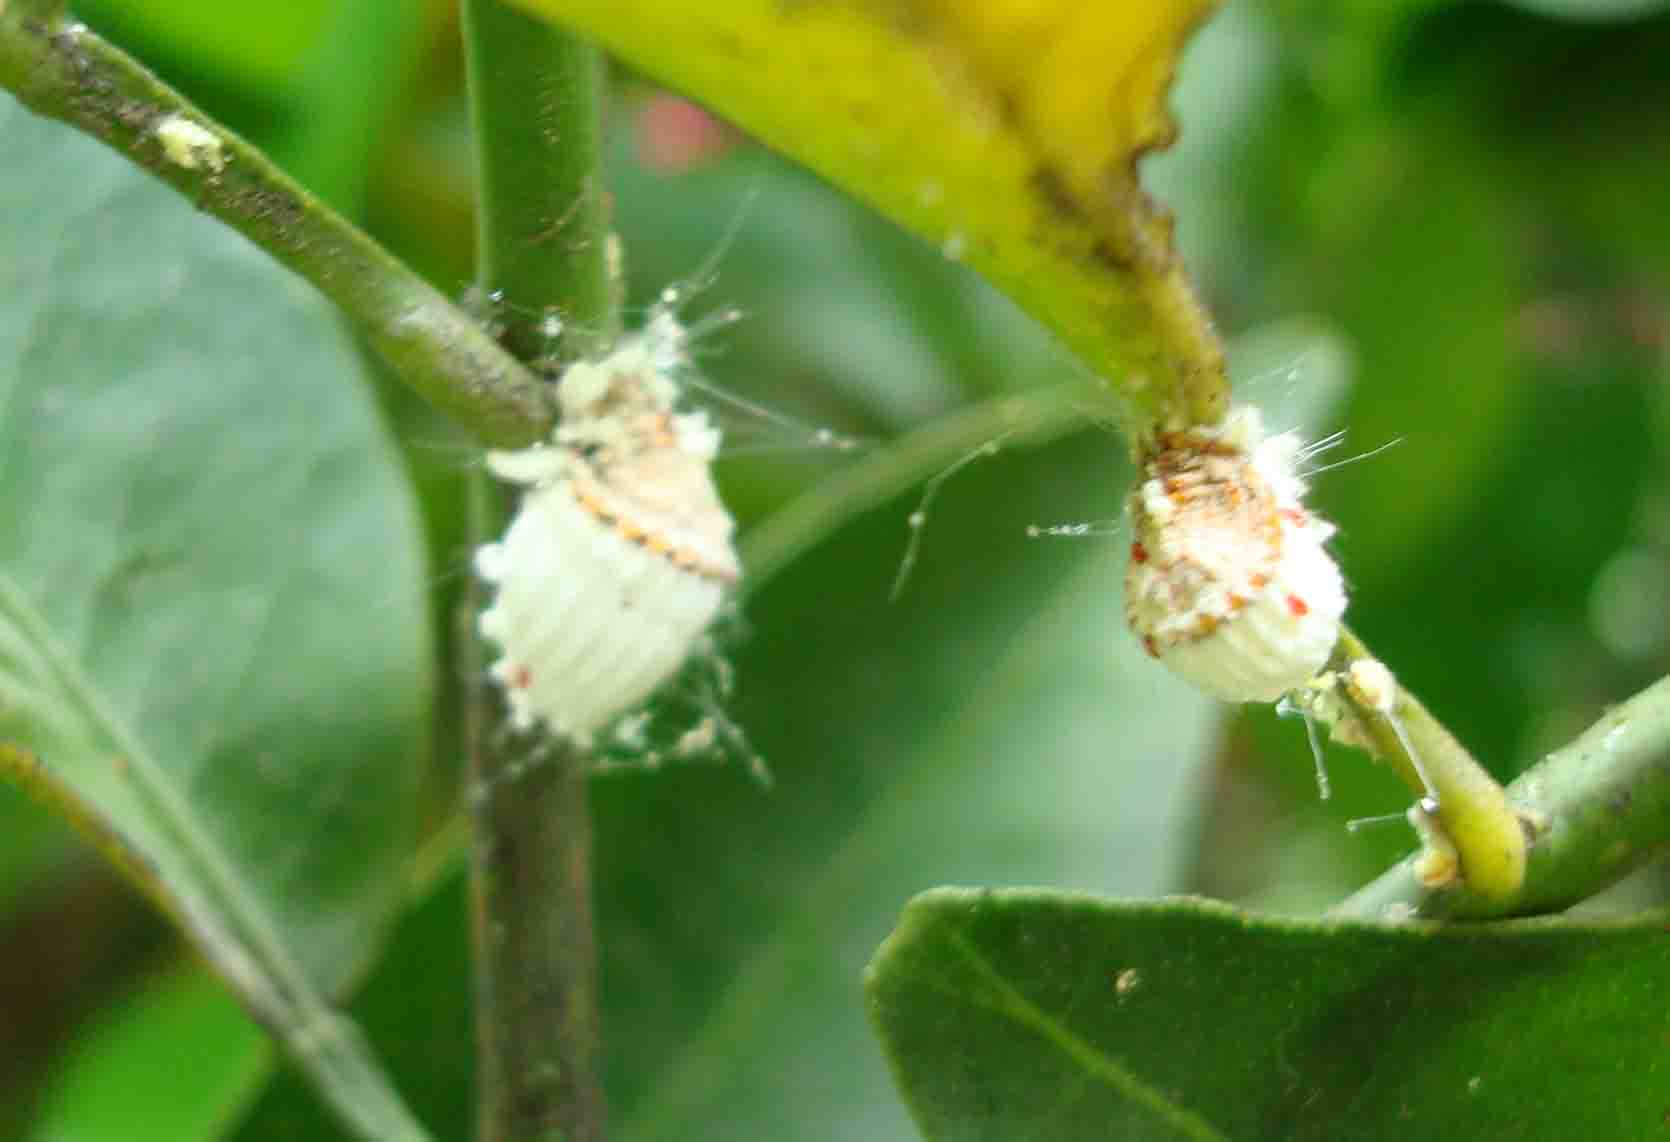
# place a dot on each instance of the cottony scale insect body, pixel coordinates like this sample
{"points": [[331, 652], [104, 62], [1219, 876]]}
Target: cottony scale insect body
{"points": [[1229, 583], [619, 556]]}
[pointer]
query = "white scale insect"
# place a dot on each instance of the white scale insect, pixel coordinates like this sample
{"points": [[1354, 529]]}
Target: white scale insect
{"points": [[1229, 583], [619, 557]]}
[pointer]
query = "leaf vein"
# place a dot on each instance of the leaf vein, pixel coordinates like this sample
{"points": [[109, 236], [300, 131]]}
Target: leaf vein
{"points": [[1022, 1011]]}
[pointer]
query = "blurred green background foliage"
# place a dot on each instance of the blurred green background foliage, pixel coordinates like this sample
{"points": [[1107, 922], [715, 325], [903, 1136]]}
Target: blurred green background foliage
{"points": [[1461, 206]]}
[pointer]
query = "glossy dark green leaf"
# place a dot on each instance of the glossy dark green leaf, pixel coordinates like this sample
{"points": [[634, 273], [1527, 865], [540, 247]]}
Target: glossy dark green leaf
{"points": [[1043, 1015]]}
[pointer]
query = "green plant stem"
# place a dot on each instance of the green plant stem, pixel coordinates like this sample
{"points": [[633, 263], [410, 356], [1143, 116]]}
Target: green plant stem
{"points": [[536, 102], [1600, 806], [62, 70], [539, 248], [1473, 808], [538, 1032]]}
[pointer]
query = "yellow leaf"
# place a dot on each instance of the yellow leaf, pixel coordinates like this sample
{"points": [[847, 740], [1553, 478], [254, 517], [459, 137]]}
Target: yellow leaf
{"points": [[1007, 131]]}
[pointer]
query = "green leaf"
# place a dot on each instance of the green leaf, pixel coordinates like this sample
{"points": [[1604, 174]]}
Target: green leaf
{"points": [[1006, 133], [121, 1078], [1040, 1015], [213, 647]]}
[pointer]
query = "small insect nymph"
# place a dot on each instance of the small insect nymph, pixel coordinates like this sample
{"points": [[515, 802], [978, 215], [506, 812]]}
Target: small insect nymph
{"points": [[619, 556], [1229, 583]]}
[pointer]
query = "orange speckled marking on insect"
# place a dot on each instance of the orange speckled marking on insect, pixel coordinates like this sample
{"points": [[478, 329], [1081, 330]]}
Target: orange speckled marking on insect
{"points": [[1298, 606], [521, 677], [656, 545], [1139, 553], [1150, 646]]}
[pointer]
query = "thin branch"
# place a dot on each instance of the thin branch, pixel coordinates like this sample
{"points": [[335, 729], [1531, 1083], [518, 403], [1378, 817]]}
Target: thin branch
{"points": [[536, 97], [1600, 808], [63, 70], [1472, 808]]}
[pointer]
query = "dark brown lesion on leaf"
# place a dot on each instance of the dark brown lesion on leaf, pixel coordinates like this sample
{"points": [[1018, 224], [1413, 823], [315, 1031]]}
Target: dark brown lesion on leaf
{"points": [[1052, 190], [1008, 108], [1107, 252], [1132, 233], [1149, 229]]}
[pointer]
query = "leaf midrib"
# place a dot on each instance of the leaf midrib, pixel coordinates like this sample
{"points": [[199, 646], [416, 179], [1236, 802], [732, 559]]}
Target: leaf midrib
{"points": [[1008, 1001]]}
